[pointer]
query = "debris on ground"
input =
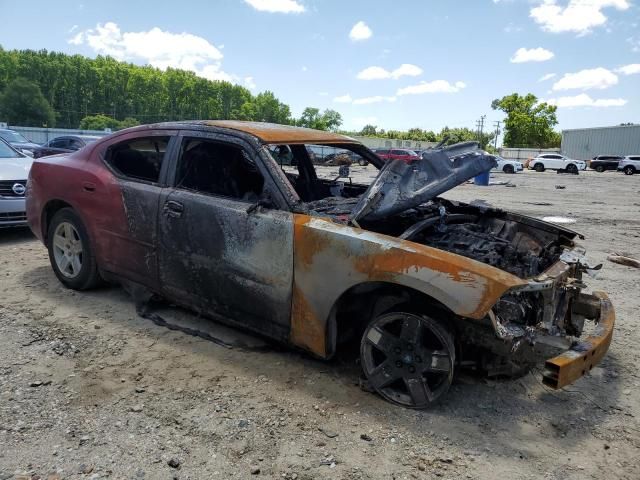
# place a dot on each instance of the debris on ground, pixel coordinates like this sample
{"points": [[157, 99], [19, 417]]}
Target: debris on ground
{"points": [[560, 187], [559, 219], [623, 260]]}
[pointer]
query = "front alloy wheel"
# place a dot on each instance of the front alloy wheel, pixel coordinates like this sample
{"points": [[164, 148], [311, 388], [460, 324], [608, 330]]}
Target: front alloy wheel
{"points": [[629, 170], [408, 359]]}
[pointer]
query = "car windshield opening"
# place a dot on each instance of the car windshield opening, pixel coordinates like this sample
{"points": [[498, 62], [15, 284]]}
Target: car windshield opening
{"points": [[313, 170]]}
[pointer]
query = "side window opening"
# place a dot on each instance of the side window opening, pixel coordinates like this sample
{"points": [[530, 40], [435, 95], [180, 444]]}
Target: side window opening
{"points": [[216, 168], [139, 158]]}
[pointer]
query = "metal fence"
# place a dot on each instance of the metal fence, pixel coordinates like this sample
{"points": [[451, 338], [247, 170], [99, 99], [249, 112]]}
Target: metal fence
{"points": [[524, 153]]}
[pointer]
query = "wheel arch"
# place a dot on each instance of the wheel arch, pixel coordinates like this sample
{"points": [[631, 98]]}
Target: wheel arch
{"points": [[48, 212], [356, 306]]}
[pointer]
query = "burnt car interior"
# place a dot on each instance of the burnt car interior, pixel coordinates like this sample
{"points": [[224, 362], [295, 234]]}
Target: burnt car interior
{"points": [[305, 180], [140, 158], [216, 168]]}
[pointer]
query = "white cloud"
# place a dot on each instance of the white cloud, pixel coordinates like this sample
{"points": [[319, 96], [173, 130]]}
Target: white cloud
{"points": [[364, 100], [539, 54], [379, 73], [374, 99], [304, 68], [156, 47], [546, 77], [435, 86], [72, 29], [249, 83], [584, 100], [512, 28], [323, 94], [360, 31], [578, 16], [629, 69], [276, 6], [594, 78], [343, 99]]}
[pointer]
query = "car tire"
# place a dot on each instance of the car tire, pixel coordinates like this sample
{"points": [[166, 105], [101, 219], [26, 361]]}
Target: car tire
{"points": [[629, 170], [539, 167], [599, 169], [572, 168], [407, 358], [508, 169], [70, 251]]}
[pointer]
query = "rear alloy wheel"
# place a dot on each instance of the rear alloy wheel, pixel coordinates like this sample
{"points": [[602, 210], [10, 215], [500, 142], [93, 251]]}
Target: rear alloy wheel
{"points": [[599, 169], [408, 359], [70, 251], [508, 168], [571, 168], [538, 167], [629, 170]]}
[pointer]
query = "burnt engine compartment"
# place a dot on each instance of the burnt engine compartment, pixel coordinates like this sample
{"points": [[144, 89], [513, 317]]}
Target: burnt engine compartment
{"points": [[520, 245]]}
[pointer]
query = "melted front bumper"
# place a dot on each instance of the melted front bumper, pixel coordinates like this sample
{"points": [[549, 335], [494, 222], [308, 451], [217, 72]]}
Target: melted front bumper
{"points": [[583, 355]]}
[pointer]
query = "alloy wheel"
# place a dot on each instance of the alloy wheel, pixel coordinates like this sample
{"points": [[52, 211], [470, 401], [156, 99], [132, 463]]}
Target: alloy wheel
{"points": [[408, 359]]}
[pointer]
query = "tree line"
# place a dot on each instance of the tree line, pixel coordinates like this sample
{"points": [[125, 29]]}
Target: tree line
{"points": [[41, 88], [107, 92]]}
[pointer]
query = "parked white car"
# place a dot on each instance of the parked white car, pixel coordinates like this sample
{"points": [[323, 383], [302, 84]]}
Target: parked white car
{"points": [[555, 161], [14, 171], [507, 166], [630, 164]]}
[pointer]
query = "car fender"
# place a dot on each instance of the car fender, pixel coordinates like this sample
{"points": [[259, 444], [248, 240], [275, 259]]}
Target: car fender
{"points": [[331, 258]]}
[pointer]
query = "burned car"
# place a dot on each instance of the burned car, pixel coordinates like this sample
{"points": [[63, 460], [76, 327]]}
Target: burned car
{"points": [[202, 214]]}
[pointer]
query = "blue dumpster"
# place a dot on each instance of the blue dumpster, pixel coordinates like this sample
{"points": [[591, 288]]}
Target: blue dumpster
{"points": [[481, 179]]}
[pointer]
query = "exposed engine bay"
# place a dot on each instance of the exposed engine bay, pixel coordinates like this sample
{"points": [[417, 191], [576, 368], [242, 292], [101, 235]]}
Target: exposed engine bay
{"points": [[514, 243]]}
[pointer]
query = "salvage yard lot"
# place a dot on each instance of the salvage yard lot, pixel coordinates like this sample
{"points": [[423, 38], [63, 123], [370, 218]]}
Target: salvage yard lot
{"points": [[91, 390]]}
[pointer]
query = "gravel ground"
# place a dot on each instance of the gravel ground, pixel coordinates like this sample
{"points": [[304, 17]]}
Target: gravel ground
{"points": [[90, 390]]}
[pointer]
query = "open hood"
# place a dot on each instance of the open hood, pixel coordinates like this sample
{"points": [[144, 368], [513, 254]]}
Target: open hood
{"points": [[400, 185]]}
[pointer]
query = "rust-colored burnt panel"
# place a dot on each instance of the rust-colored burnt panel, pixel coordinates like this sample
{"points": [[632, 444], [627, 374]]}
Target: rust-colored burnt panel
{"points": [[307, 329], [330, 258], [566, 368], [285, 134]]}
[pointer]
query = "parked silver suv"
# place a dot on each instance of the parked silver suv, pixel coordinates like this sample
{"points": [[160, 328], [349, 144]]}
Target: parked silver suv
{"points": [[14, 171], [630, 164]]}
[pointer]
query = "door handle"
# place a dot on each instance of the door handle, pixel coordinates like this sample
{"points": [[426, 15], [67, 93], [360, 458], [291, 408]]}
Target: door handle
{"points": [[88, 187], [173, 209]]}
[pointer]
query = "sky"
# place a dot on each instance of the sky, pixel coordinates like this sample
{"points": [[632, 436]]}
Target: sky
{"points": [[396, 65]]}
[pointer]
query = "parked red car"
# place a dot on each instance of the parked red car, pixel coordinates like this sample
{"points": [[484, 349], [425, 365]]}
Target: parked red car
{"points": [[397, 154]]}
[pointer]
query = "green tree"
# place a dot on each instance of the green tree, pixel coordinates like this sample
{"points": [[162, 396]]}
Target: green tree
{"points": [[528, 123], [22, 103], [456, 135], [369, 131], [312, 118], [100, 122]]}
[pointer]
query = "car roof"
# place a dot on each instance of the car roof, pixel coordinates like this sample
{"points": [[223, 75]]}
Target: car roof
{"points": [[266, 132]]}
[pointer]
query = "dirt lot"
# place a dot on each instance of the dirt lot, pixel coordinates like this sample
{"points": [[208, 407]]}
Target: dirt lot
{"points": [[90, 390]]}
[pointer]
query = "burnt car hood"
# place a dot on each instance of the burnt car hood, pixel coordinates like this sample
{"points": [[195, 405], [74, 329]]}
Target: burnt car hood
{"points": [[400, 185]]}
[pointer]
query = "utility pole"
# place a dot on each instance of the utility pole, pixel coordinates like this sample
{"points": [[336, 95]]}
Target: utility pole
{"points": [[495, 140], [480, 126]]}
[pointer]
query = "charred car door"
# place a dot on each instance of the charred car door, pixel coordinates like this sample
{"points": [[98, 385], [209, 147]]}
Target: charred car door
{"points": [[225, 247]]}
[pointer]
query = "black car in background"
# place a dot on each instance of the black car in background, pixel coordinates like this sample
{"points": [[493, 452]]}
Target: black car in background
{"points": [[600, 163], [18, 141], [64, 144]]}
